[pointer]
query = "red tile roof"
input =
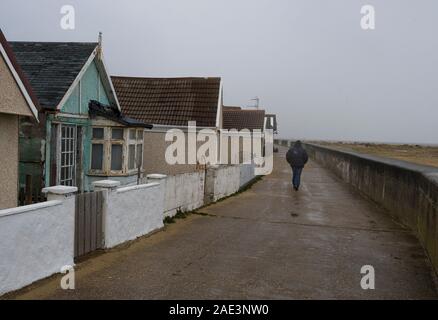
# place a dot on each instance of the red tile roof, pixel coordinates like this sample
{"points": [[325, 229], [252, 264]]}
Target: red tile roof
{"points": [[169, 101], [239, 119]]}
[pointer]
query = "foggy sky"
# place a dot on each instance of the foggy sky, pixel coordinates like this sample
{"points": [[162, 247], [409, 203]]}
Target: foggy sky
{"points": [[308, 60]]}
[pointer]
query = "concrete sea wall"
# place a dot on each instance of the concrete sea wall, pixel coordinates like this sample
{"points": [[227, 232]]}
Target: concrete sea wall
{"points": [[408, 191]]}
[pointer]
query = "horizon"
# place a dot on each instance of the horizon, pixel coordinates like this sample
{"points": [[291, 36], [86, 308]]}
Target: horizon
{"points": [[311, 64]]}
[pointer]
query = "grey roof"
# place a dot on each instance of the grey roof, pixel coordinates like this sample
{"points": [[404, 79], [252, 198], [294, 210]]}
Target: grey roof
{"points": [[51, 67]]}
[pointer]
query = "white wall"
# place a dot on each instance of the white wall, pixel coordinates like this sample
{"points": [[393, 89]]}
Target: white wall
{"points": [[226, 181], [36, 241], [246, 174], [184, 192], [132, 212]]}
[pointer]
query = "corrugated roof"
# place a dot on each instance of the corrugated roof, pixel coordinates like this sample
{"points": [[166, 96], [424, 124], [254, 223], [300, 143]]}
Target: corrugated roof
{"points": [[243, 119], [51, 67], [169, 101]]}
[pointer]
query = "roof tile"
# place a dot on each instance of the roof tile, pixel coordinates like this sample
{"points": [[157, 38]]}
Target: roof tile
{"points": [[236, 118], [169, 101]]}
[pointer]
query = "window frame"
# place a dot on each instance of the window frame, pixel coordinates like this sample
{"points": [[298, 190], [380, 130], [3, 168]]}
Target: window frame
{"points": [[102, 142], [108, 142], [136, 142], [68, 153], [140, 142], [112, 142]]}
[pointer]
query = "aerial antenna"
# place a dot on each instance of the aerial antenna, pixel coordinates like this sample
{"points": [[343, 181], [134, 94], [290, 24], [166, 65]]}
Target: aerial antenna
{"points": [[257, 100]]}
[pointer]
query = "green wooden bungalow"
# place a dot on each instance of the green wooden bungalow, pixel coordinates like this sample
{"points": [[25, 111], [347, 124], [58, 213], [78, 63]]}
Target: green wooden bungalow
{"points": [[82, 135]]}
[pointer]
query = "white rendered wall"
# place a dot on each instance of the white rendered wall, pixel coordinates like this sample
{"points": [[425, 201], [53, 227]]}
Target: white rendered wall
{"points": [[246, 174], [184, 192], [36, 241], [226, 181], [132, 212]]}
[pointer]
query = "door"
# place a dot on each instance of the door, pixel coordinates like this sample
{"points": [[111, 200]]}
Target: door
{"points": [[68, 156]]}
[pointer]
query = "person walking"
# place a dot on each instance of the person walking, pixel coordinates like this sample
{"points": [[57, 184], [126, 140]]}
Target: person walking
{"points": [[297, 158]]}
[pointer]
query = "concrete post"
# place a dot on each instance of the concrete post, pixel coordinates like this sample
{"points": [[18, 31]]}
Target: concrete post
{"points": [[59, 192], [158, 178], [109, 185], [67, 195], [210, 179]]}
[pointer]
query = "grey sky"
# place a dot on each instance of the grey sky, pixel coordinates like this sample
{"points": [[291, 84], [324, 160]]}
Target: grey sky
{"points": [[308, 60]]}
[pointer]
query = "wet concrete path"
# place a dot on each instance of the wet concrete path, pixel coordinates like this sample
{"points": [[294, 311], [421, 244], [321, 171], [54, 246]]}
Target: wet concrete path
{"points": [[268, 242]]}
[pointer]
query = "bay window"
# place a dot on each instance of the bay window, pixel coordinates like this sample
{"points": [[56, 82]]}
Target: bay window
{"points": [[116, 151]]}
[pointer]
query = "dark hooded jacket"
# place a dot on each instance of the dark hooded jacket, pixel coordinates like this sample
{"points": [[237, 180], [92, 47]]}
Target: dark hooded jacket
{"points": [[296, 156]]}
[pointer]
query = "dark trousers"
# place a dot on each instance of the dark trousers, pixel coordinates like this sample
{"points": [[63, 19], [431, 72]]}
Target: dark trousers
{"points": [[296, 176]]}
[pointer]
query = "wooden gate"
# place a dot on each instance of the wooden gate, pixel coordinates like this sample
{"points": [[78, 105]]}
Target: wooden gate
{"points": [[88, 223]]}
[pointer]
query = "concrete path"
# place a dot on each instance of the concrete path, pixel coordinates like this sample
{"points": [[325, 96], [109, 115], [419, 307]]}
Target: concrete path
{"points": [[268, 242]]}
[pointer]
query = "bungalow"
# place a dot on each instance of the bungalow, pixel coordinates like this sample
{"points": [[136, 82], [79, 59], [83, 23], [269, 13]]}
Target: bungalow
{"points": [[235, 117], [169, 103], [16, 101], [82, 135], [239, 119]]}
